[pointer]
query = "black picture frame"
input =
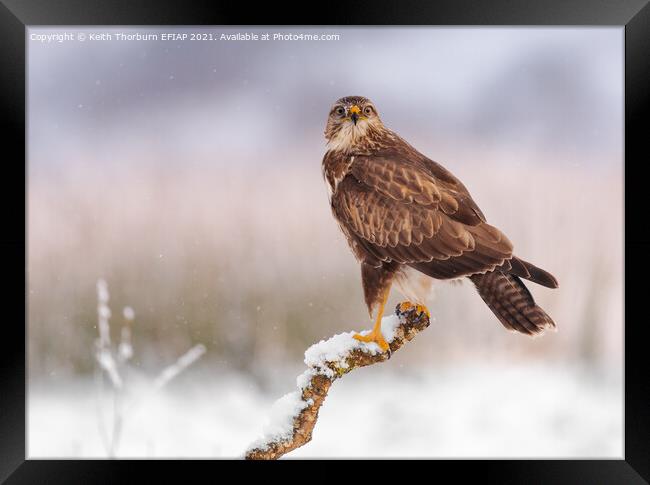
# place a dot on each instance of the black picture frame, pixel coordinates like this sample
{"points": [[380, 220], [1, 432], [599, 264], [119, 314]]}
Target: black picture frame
{"points": [[17, 15]]}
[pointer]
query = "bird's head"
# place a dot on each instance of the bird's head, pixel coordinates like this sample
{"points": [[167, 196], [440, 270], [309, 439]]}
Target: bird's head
{"points": [[351, 120]]}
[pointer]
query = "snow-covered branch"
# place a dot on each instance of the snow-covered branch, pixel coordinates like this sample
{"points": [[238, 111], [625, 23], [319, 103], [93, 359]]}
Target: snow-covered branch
{"points": [[293, 417]]}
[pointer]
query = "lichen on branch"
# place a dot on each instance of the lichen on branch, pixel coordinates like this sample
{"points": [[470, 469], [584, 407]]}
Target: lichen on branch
{"points": [[294, 416]]}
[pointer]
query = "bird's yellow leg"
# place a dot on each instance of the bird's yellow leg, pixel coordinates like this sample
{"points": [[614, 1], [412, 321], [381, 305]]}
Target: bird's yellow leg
{"points": [[375, 335]]}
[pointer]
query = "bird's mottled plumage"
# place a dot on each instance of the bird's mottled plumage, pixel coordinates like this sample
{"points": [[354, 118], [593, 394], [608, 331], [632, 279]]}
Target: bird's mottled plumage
{"points": [[405, 215]]}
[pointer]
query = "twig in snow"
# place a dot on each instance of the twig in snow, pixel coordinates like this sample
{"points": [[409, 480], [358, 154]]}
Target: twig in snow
{"points": [[294, 416], [115, 367], [107, 364], [183, 362]]}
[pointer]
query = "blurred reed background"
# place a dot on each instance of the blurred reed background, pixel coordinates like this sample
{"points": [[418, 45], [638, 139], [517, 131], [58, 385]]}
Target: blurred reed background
{"points": [[187, 175]]}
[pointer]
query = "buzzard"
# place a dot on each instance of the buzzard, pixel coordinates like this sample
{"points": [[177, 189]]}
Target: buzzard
{"points": [[408, 220]]}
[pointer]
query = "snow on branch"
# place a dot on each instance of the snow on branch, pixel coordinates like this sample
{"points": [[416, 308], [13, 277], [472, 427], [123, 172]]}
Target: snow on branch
{"points": [[293, 417]]}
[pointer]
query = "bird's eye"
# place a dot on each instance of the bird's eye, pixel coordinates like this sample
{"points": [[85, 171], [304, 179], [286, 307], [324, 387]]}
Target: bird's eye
{"points": [[339, 111], [367, 110]]}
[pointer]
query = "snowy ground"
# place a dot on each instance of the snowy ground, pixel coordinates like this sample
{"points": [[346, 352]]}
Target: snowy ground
{"points": [[529, 411]]}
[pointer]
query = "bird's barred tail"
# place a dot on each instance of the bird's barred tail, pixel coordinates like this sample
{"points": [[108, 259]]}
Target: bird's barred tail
{"points": [[529, 271], [511, 302]]}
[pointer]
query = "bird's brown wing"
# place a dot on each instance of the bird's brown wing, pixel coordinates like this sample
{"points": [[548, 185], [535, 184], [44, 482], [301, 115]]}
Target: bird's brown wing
{"points": [[396, 210], [407, 176]]}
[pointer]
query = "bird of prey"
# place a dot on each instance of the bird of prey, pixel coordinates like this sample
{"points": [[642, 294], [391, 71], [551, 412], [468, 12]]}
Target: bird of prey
{"points": [[405, 216]]}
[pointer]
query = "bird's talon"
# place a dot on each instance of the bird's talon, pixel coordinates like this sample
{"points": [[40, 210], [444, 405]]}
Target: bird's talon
{"points": [[407, 306], [423, 309], [375, 337]]}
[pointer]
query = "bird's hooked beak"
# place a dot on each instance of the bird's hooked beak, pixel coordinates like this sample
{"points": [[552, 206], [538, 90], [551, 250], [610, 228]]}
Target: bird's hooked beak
{"points": [[354, 113]]}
